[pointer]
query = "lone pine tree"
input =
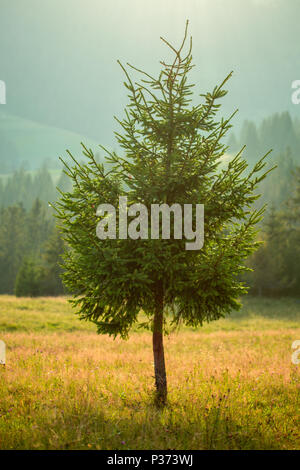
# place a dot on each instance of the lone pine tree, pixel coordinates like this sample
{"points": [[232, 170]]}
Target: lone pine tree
{"points": [[170, 152]]}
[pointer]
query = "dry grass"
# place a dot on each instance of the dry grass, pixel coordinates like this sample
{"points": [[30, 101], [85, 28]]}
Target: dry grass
{"points": [[228, 388]]}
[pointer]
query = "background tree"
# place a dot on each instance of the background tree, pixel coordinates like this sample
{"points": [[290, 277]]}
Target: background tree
{"points": [[37, 229], [12, 245], [52, 270], [267, 261], [23, 187], [171, 152], [28, 279], [28, 239], [250, 139], [289, 219], [277, 263]]}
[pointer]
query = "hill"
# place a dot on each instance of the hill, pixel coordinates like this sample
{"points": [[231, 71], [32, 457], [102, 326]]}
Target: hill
{"points": [[31, 144]]}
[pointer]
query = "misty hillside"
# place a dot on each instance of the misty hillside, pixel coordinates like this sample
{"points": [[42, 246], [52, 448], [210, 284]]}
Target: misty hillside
{"points": [[29, 144], [64, 72]]}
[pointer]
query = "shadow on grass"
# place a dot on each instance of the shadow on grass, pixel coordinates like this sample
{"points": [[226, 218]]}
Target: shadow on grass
{"points": [[146, 428]]}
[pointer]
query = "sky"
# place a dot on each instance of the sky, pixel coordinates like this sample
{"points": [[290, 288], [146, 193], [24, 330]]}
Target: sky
{"points": [[58, 58]]}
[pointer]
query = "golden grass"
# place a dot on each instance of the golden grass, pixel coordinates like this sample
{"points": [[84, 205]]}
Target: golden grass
{"points": [[227, 390]]}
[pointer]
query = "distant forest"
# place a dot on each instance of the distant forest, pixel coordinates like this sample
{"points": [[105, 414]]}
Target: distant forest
{"points": [[280, 133], [31, 247]]}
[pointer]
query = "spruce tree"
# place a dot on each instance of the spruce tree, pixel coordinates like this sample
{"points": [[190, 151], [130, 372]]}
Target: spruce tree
{"points": [[170, 152]]}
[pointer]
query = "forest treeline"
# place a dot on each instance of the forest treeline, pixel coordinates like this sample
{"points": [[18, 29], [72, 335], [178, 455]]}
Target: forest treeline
{"points": [[25, 187], [278, 131], [281, 134], [31, 247], [30, 251], [276, 264]]}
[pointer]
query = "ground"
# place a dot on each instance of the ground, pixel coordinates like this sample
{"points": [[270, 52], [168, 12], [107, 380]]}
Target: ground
{"points": [[232, 384]]}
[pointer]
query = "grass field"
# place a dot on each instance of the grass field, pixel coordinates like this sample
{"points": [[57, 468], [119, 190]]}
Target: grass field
{"points": [[232, 384]]}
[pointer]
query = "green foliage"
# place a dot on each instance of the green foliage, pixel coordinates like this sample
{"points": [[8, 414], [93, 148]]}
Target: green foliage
{"points": [[28, 280], [25, 187], [38, 227], [277, 263], [12, 245], [171, 152], [282, 134], [51, 259], [29, 240], [277, 131]]}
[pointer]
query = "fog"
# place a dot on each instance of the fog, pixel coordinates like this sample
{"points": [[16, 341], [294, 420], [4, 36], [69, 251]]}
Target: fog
{"points": [[58, 57]]}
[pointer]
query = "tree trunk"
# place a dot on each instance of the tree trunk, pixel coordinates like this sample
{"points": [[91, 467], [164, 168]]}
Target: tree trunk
{"points": [[158, 348]]}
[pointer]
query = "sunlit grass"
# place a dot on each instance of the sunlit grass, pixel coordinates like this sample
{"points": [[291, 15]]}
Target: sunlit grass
{"points": [[231, 384], [56, 314]]}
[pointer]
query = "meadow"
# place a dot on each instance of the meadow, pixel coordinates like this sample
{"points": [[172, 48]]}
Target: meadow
{"points": [[231, 383]]}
